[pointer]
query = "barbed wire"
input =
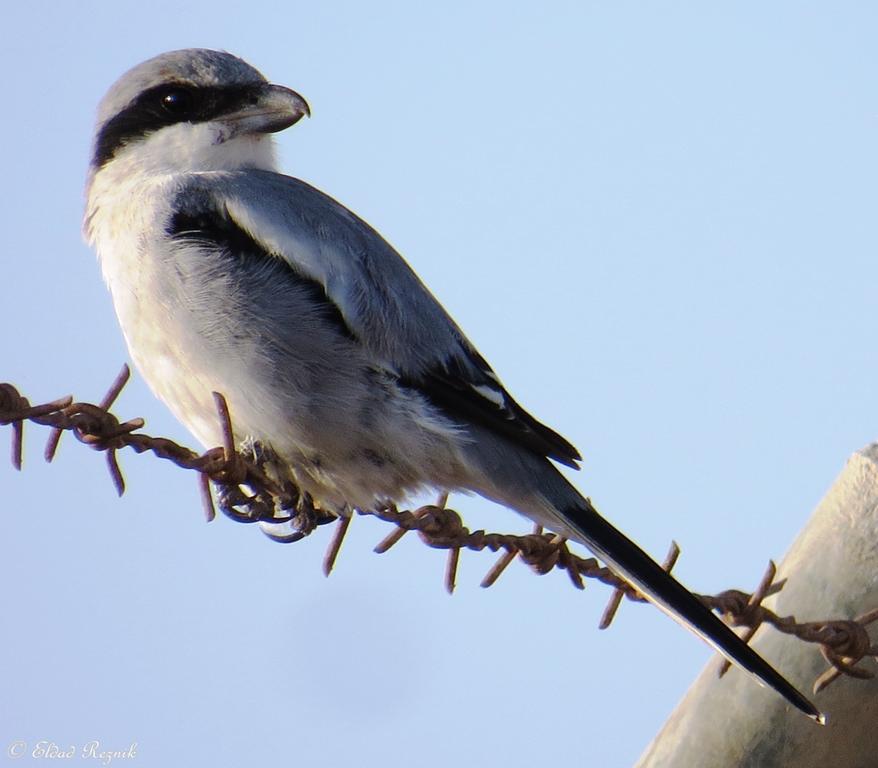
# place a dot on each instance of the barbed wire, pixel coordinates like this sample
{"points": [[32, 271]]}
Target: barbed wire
{"points": [[245, 493]]}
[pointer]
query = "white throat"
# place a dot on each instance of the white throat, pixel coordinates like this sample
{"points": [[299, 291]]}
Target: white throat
{"points": [[196, 147], [154, 161]]}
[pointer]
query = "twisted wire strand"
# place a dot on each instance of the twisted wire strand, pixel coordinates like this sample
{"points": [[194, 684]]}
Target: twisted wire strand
{"points": [[246, 494]]}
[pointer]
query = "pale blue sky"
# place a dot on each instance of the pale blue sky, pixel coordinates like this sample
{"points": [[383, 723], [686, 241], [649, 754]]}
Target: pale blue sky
{"points": [[655, 220]]}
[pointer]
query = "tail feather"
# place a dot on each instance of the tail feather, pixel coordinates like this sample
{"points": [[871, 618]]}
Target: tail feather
{"points": [[662, 589]]}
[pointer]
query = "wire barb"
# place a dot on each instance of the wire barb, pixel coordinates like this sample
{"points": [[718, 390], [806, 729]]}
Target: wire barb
{"points": [[497, 569], [451, 570], [15, 410], [750, 610], [388, 541], [335, 544], [616, 598], [116, 388], [849, 644], [206, 497]]}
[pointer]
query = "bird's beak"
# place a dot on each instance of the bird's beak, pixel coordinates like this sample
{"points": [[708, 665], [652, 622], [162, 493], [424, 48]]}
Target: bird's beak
{"points": [[268, 109]]}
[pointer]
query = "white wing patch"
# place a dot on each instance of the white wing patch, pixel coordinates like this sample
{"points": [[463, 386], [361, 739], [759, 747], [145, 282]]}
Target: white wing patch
{"points": [[496, 396]]}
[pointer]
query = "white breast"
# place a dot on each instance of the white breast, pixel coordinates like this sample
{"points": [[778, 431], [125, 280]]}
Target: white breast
{"points": [[125, 222]]}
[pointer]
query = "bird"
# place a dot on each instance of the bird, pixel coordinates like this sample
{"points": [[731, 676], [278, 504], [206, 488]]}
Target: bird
{"points": [[335, 359]]}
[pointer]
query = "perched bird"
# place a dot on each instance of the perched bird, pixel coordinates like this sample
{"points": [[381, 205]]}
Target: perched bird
{"points": [[229, 276]]}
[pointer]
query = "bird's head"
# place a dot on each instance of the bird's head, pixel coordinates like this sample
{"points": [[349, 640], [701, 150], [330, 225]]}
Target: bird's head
{"points": [[193, 109]]}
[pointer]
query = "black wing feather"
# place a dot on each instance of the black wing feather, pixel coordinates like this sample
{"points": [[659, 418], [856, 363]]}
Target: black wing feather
{"points": [[454, 388]]}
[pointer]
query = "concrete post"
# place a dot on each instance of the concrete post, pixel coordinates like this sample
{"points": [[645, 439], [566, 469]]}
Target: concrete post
{"points": [[833, 574]]}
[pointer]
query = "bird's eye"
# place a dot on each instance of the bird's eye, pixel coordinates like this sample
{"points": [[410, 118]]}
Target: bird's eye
{"points": [[177, 101]]}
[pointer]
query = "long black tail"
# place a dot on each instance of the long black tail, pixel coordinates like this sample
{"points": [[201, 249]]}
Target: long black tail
{"points": [[631, 562], [531, 484]]}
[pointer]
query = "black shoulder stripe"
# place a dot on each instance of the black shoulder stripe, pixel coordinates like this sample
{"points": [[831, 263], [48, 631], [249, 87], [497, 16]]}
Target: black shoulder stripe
{"points": [[211, 226], [207, 224]]}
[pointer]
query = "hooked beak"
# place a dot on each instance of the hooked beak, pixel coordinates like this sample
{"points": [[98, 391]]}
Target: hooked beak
{"points": [[269, 108]]}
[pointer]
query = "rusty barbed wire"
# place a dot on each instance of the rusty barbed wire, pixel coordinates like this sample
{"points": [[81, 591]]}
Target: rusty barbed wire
{"points": [[245, 493]]}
